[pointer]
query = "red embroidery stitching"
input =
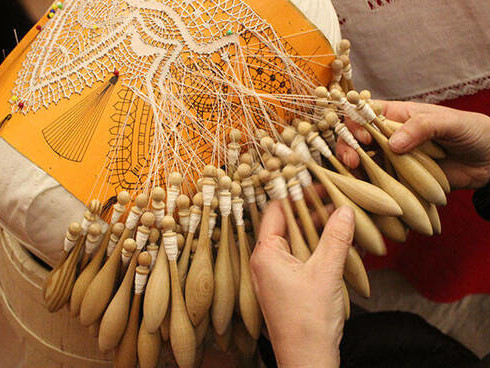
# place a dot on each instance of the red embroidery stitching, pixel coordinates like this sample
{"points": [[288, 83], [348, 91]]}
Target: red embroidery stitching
{"points": [[375, 4]]}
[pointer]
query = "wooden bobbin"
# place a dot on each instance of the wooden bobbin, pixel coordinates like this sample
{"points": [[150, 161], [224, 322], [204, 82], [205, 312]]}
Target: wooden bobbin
{"points": [[153, 247], [430, 148], [194, 220], [199, 287], [233, 152], [413, 213], [181, 331], [126, 352], [224, 286], [183, 203], [364, 194], [158, 205], [299, 249], [245, 172], [247, 301], [296, 193], [91, 270], [346, 82], [405, 165], [157, 292], [175, 180], [149, 347], [337, 70], [91, 242], [100, 289], [344, 47]]}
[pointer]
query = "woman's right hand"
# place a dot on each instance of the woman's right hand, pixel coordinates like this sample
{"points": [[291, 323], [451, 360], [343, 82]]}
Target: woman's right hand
{"points": [[464, 135]]}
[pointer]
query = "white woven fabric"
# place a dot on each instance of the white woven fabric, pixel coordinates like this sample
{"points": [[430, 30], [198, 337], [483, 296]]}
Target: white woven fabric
{"points": [[417, 49]]}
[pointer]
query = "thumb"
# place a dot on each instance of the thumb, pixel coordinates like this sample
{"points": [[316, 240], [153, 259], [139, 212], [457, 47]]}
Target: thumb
{"points": [[420, 128], [334, 243], [272, 250]]}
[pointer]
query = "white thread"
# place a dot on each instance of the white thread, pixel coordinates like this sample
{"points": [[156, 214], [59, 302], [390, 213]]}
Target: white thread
{"points": [[140, 282], [256, 169], [321, 146], [282, 150], [212, 224], [173, 194], [304, 177], [132, 219], [91, 243], [347, 136], [296, 191], [316, 156], [330, 139], [194, 220], [207, 194], [351, 111], [280, 187], [225, 203], [125, 257], [141, 237], [159, 215], [111, 246], [269, 188], [249, 193], [104, 226], [184, 221], [302, 149], [117, 212], [69, 244], [153, 254], [237, 206], [233, 155], [347, 73], [367, 112], [171, 246], [261, 200], [85, 225]]}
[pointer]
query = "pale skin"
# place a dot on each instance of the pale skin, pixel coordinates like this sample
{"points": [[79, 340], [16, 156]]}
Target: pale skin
{"points": [[464, 135], [302, 303]]}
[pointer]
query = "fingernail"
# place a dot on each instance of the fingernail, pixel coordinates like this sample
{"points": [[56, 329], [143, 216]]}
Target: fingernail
{"points": [[400, 140], [346, 213]]}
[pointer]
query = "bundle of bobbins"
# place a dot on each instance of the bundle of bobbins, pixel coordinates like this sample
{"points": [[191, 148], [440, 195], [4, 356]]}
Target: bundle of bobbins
{"points": [[151, 274]]}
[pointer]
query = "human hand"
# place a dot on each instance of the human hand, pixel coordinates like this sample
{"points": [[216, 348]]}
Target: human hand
{"points": [[464, 135], [302, 303]]}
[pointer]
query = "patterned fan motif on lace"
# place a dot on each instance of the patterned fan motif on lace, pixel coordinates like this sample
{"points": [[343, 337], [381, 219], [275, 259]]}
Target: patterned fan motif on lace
{"points": [[189, 71]]}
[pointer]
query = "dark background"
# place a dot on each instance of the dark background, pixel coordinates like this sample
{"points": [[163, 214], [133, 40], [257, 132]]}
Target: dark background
{"points": [[12, 16]]}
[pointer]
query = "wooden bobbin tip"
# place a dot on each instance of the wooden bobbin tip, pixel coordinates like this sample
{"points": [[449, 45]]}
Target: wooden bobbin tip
{"points": [[129, 245], [246, 158], [141, 200], [304, 128], [266, 156], [365, 94], [216, 234], [168, 223], [94, 229], [74, 228], [225, 183], [236, 189], [267, 143], [294, 159], [321, 92], [197, 199], [183, 202], [336, 94], [264, 176], [256, 180], [123, 197], [289, 171], [154, 235], [261, 133], [345, 60], [353, 97], [175, 178], [158, 194], [117, 229], [332, 119], [209, 171], [344, 44], [273, 164], [288, 134], [244, 170], [337, 66], [220, 173], [148, 219], [235, 135], [237, 177], [180, 240], [95, 206], [144, 259], [323, 125]]}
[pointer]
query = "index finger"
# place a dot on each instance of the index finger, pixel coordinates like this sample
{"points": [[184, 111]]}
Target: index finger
{"points": [[273, 222]]}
